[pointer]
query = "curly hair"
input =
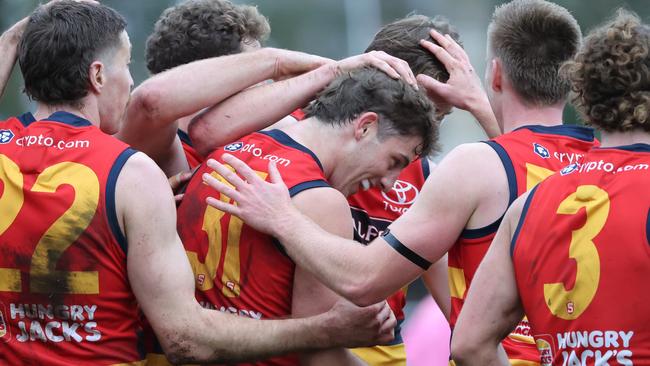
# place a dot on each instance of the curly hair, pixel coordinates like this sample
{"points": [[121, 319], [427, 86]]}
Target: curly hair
{"points": [[610, 76], [402, 110], [198, 29], [60, 42], [533, 38]]}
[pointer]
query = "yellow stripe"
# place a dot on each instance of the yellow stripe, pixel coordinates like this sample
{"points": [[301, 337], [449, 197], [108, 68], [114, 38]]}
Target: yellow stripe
{"points": [[134, 363], [394, 355], [457, 284]]}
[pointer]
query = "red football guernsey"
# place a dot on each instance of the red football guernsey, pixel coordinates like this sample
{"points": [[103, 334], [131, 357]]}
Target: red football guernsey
{"points": [[194, 159], [529, 154], [581, 255], [64, 292], [238, 269]]}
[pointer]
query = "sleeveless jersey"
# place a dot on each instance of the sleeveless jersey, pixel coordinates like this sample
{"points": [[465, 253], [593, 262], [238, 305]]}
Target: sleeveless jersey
{"points": [[373, 211], [64, 292], [581, 255], [193, 157], [529, 154], [238, 269]]}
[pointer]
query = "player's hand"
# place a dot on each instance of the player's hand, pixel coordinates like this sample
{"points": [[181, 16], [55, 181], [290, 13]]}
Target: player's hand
{"points": [[293, 63], [463, 89], [352, 326], [263, 205], [177, 181], [392, 66]]}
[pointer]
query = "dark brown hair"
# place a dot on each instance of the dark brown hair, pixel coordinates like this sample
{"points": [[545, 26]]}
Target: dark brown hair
{"points": [[611, 75], [198, 29], [401, 39], [60, 42], [402, 110], [533, 38]]}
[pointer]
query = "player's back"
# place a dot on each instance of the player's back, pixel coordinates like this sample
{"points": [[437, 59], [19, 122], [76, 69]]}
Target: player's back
{"points": [[238, 269], [582, 260], [64, 291], [373, 211], [528, 154]]}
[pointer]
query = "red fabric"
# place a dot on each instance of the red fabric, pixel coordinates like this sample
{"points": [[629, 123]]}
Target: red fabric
{"points": [[61, 231], [606, 302]]}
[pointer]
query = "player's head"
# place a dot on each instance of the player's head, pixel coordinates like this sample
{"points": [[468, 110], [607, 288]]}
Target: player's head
{"points": [[385, 124], [528, 41], [610, 75], [198, 29], [401, 39], [77, 54]]}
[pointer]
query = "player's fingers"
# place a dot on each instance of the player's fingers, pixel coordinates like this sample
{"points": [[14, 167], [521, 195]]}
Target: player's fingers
{"points": [[385, 67], [399, 65], [241, 168], [455, 49], [439, 37], [435, 89], [226, 173], [223, 206], [387, 330], [178, 198], [274, 174], [441, 54], [221, 187]]}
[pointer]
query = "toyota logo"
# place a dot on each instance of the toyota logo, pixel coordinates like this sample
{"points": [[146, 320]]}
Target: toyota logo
{"points": [[402, 193]]}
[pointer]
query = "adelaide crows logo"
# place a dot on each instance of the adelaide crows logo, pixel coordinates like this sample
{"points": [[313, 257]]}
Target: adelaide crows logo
{"points": [[541, 150], [234, 146], [6, 136]]}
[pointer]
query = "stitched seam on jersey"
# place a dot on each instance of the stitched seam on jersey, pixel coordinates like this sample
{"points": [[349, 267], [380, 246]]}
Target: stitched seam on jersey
{"points": [[286, 140], [111, 212], [524, 211]]}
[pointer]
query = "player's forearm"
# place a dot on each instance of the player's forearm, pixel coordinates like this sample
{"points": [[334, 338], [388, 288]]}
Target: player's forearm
{"points": [[231, 119], [436, 279], [189, 88], [9, 51], [481, 109], [220, 337]]}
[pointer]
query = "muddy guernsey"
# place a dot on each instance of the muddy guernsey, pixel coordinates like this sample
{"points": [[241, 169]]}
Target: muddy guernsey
{"points": [[237, 269], [64, 292], [372, 211], [529, 154], [584, 284]]}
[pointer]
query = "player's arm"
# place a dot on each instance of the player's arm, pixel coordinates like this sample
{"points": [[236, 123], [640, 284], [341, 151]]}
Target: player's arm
{"points": [[362, 274], [9, 51], [436, 280], [463, 89], [256, 108], [492, 308], [162, 280], [156, 105], [331, 211]]}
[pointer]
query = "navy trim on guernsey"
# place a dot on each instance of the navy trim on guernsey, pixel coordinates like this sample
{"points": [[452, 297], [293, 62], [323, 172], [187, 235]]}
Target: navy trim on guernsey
{"points": [[579, 132], [284, 139], [68, 119], [185, 138], [405, 251], [634, 147], [508, 166], [524, 211], [481, 232], [307, 185], [647, 228], [425, 167], [111, 213], [26, 118]]}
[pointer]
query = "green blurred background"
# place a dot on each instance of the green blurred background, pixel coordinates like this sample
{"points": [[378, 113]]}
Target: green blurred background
{"points": [[335, 29]]}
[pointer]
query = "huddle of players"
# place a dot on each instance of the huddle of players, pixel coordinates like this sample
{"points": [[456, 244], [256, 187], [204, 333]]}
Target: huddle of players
{"points": [[365, 126]]}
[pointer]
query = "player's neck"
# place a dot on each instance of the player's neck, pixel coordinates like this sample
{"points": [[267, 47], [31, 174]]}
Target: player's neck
{"points": [[45, 110], [323, 140], [609, 139], [517, 114]]}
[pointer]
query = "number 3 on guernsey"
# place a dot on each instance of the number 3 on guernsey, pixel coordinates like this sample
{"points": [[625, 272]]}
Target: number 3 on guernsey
{"points": [[206, 272], [571, 304], [47, 253]]}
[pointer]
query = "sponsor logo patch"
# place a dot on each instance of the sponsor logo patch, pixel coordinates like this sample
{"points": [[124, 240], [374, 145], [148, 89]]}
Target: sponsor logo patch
{"points": [[6, 136], [541, 151], [235, 146]]}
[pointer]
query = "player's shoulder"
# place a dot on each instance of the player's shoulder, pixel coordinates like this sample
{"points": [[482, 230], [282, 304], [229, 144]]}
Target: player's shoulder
{"points": [[471, 156]]}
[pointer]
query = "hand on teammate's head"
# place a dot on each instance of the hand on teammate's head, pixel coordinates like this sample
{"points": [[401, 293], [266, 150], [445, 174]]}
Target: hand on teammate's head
{"points": [[392, 66], [293, 63]]}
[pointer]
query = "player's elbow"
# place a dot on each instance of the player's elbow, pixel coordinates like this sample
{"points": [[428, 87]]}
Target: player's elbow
{"points": [[181, 348], [462, 348], [146, 99], [360, 292]]}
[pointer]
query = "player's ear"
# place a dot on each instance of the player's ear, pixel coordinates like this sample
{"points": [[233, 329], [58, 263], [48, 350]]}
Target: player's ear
{"points": [[366, 124], [96, 76], [497, 74]]}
